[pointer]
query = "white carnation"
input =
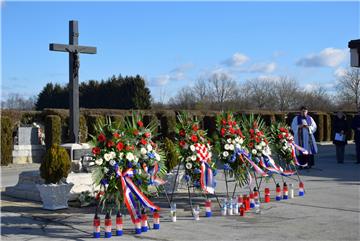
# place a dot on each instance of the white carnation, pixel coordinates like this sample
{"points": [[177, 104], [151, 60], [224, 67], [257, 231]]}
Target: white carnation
{"points": [[136, 159], [263, 143], [254, 151], [192, 148], [229, 140], [121, 155], [225, 154], [99, 161], [112, 162], [143, 151], [241, 141], [237, 146], [149, 147], [107, 157], [226, 147], [193, 158], [231, 147], [157, 157], [130, 156], [208, 146], [258, 147], [188, 165], [112, 154], [210, 154]]}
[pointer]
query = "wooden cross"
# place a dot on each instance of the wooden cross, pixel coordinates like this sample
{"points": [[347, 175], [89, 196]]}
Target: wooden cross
{"points": [[74, 64]]}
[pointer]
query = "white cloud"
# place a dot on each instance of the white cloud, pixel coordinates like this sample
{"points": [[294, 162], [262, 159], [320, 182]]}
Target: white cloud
{"points": [[340, 72], [176, 74], [316, 86], [329, 57], [160, 80], [261, 68], [236, 60]]}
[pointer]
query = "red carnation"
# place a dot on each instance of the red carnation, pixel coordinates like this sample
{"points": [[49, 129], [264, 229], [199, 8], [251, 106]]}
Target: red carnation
{"points": [[282, 129], [251, 145], [266, 141], [257, 140], [129, 148], [232, 131], [194, 138], [120, 146], [140, 123], [195, 127], [182, 143], [251, 131], [101, 138], [280, 136], [182, 133], [147, 134], [222, 132], [110, 144], [116, 135], [143, 141], [234, 123], [136, 132], [223, 122], [96, 150]]}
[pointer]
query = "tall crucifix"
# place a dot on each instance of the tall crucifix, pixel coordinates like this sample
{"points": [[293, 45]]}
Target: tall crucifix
{"points": [[74, 64]]}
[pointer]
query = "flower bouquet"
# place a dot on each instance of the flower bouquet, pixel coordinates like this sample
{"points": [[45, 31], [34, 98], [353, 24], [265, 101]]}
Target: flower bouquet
{"points": [[195, 154], [231, 146], [127, 163], [284, 145]]}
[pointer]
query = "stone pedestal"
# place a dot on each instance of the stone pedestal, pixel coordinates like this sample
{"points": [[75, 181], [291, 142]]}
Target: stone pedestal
{"points": [[23, 154], [26, 186], [82, 182]]}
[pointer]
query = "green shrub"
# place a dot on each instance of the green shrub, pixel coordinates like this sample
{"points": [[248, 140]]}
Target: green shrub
{"points": [[56, 164], [172, 157], [327, 127], [320, 127], [52, 130], [167, 123], [6, 141]]}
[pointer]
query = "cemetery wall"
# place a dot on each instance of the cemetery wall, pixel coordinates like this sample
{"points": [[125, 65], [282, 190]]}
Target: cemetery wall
{"points": [[165, 118]]}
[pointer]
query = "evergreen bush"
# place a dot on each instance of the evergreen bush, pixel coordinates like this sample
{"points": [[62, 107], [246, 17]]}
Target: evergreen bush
{"points": [[6, 141], [172, 156], [52, 130], [56, 164]]}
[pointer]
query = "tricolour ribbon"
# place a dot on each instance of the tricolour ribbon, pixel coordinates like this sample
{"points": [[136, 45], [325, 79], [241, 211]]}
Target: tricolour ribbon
{"points": [[272, 167], [130, 190], [247, 157], [206, 175], [152, 171], [295, 147]]}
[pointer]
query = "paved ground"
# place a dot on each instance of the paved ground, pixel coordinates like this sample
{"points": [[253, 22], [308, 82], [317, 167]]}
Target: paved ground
{"points": [[329, 211]]}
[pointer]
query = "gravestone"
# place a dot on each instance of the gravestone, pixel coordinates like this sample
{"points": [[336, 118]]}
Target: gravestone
{"points": [[28, 147]]}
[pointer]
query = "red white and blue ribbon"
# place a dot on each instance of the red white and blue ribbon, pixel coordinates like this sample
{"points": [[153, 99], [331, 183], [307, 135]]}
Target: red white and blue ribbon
{"points": [[272, 167], [152, 171], [206, 175], [130, 190], [247, 157], [295, 147]]}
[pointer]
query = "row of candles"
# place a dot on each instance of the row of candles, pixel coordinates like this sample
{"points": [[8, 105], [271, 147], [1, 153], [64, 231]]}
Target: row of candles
{"points": [[231, 206]]}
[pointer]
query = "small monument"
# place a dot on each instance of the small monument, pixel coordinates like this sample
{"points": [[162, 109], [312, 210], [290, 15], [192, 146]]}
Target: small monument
{"points": [[29, 146]]}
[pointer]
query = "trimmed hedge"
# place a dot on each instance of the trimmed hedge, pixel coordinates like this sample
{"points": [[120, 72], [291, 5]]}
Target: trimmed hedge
{"points": [[52, 130], [327, 127], [6, 141]]}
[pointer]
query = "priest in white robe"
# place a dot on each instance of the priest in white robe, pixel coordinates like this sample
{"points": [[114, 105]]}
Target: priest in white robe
{"points": [[304, 128]]}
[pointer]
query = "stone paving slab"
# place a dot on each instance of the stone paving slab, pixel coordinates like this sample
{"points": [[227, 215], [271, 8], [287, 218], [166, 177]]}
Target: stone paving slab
{"points": [[330, 210]]}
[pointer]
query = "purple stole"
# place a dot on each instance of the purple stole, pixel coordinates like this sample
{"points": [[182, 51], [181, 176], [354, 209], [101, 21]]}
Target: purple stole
{"points": [[300, 133]]}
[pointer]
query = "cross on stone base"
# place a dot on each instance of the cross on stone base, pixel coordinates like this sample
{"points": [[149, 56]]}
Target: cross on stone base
{"points": [[74, 64]]}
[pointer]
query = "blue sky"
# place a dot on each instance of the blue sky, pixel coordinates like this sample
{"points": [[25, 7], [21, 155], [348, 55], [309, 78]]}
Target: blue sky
{"points": [[171, 44]]}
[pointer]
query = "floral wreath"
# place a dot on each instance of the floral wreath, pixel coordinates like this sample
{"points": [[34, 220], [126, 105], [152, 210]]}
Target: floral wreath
{"points": [[195, 153], [128, 163], [230, 146]]}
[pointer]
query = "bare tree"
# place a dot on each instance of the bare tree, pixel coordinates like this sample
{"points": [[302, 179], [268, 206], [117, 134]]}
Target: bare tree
{"points": [[184, 99], [17, 101], [260, 93], [222, 88], [201, 90], [285, 90], [349, 87]]}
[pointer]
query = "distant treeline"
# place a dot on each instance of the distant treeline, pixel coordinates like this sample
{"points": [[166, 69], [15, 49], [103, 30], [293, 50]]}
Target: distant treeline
{"points": [[115, 93]]}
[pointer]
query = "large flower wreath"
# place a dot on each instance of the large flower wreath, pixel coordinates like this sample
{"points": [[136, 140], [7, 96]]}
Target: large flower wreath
{"points": [[231, 146], [259, 147], [195, 152], [284, 145], [127, 162]]}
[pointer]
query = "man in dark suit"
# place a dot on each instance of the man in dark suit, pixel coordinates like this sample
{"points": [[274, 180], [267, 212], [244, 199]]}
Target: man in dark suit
{"points": [[356, 126]]}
